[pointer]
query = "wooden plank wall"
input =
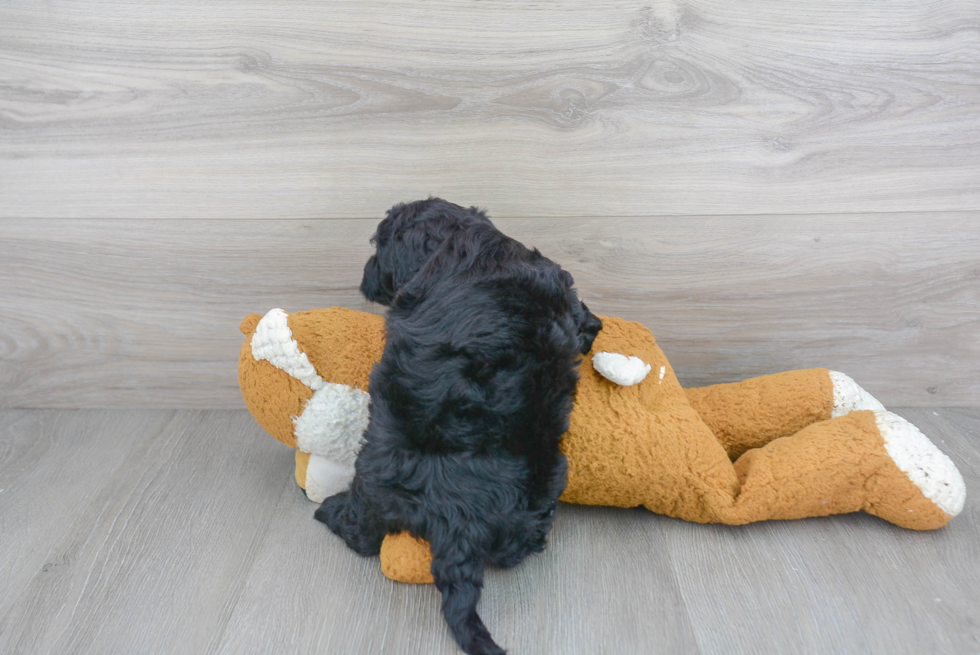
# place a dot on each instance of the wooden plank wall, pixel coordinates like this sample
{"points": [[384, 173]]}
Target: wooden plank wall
{"points": [[145, 312], [767, 186]]}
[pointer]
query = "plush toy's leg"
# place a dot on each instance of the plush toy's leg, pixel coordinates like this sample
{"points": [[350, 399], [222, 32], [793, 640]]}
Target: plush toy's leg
{"points": [[321, 477], [866, 460], [751, 413], [302, 463], [874, 461]]}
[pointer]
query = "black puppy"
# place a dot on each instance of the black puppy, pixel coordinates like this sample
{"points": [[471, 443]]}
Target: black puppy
{"points": [[468, 403]]}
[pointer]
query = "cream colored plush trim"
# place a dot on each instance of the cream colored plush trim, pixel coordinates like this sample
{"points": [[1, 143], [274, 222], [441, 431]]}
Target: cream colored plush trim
{"points": [[849, 396], [925, 465], [624, 371], [325, 478], [333, 422], [273, 341], [333, 419]]}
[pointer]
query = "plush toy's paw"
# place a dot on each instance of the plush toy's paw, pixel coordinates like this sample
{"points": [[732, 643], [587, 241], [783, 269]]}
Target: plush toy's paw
{"points": [[849, 396], [332, 423], [927, 467], [624, 371], [325, 477]]}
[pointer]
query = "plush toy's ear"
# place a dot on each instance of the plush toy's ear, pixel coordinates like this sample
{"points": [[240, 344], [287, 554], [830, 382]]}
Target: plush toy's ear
{"points": [[624, 370], [249, 324]]}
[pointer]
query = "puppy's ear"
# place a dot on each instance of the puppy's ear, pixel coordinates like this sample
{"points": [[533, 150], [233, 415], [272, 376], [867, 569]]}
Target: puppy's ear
{"points": [[376, 285], [588, 325]]}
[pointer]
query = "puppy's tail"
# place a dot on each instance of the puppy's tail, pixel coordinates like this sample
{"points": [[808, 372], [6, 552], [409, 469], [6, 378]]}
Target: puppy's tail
{"points": [[458, 574]]}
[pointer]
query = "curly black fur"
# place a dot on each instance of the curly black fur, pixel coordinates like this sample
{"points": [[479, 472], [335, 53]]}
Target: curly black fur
{"points": [[468, 403]]}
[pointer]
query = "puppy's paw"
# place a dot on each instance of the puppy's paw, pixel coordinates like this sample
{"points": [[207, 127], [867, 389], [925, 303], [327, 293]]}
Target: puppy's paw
{"points": [[332, 512], [531, 547], [361, 534]]}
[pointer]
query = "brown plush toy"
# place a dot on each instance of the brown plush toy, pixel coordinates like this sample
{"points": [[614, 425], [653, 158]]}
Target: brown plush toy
{"points": [[783, 446]]}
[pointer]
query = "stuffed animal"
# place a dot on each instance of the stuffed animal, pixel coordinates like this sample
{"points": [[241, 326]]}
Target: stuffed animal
{"points": [[782, 446]]}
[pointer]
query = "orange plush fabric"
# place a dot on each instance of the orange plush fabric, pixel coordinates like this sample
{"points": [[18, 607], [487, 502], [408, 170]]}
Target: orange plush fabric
{"points": [[271, 395], [753, 412], [643, 444], [406, 559], [344, 343], [831, 467]]}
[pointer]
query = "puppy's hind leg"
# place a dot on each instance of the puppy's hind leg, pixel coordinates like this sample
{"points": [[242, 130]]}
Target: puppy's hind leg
{"points": [[350, 517], [534, 532], [458, 574]]}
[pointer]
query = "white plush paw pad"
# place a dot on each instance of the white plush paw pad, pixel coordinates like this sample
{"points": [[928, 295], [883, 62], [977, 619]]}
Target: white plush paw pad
{"points": [[333, 422], [273, 341], [849, 396], [925, 465], [620, 369], [325, 477]]}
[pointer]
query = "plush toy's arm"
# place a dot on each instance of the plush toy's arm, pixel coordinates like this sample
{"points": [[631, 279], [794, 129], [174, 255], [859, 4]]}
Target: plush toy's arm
{"points": [[751, 413]]}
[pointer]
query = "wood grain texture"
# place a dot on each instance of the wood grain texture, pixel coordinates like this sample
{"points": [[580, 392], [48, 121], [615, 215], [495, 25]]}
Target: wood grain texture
{"points": [[155, 561], [308, 593], [618, 108], [845, 584], [600, 587], [193, 538], [145, 312], [53, 465]]}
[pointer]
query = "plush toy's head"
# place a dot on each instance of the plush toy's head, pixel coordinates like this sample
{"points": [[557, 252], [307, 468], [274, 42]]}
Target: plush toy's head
{"points": [[304, 377]]}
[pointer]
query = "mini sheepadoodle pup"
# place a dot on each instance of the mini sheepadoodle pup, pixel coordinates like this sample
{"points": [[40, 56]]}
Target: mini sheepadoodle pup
{"points": [[468, 403]]}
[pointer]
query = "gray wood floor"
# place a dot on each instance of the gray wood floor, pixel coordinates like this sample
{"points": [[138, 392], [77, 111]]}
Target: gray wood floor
{"points": [[178, 531]]}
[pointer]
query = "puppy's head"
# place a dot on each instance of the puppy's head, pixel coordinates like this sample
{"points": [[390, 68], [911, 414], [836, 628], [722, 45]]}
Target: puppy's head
{"points": [[406, 239]]}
